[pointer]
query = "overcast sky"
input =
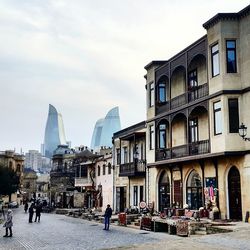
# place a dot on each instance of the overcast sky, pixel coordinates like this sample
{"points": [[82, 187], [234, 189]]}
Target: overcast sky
{"points": [[86, 57]]}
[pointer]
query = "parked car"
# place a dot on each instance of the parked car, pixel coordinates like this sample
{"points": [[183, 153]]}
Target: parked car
{"points": [[13, 204]]}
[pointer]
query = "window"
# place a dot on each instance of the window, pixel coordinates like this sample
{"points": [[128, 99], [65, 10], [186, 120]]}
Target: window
{"points": [[233, 110], [98, 170], [109, 168], [217, 118], [162, 136], [192, 79], [151, 95], [135, 195], [125, 153], [104, 169], [231, 56], [162, 91], [151, 137], [193, 130], [118, 156], [215, 60]]}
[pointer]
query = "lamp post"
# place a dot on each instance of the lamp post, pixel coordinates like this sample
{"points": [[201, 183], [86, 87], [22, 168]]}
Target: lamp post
{"points": [[243, 132]]}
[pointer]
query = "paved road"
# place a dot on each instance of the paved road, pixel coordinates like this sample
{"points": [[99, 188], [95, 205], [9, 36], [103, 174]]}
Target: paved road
{"points": [[62, 232]]}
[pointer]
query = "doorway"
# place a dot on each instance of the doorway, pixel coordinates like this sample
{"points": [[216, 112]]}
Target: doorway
{"points": [[234, 194], [164, 191]]}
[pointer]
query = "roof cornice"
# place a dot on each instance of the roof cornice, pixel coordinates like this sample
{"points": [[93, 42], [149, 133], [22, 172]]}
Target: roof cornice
{"points": [[227, 16]]}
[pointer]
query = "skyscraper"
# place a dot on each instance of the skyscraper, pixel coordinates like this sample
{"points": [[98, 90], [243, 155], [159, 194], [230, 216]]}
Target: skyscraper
{"points": [[105, 128], [54, 132]]}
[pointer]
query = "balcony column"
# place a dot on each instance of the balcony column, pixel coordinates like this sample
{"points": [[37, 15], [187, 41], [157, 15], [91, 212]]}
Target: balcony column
{"points": [[181, 169], [171, 186], [170, 136], [201, 162], [187, 132], [186, 77], [215, 162]]}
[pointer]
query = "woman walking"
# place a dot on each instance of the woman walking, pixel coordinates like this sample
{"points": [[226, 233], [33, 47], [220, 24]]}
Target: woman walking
{"points": [[8, 224]]}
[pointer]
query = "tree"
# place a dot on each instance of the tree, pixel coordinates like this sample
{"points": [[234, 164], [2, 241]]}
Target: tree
{"points": [[9, 181]]}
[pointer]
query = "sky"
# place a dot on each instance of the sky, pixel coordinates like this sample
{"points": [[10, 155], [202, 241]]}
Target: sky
{"points": [[85, 57]]}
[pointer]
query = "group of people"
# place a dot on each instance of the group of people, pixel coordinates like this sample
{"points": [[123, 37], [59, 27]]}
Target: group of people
{"points": [[38, 209], [34, 206]]}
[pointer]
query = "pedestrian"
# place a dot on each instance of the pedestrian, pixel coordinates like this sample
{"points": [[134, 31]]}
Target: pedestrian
{"points": [[38, 211], [26, 207], [8, 224], [31, 212], [107, 215]]}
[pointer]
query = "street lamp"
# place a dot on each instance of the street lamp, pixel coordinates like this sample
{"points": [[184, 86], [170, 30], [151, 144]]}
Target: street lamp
{"points": [[243, 132]]}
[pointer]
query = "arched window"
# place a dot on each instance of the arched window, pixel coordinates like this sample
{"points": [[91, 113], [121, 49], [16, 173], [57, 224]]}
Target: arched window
{"points": [[162, 135], [162, 91], [194, 190], [18, 168], [98, 170], [109, 168], [10, 164]]}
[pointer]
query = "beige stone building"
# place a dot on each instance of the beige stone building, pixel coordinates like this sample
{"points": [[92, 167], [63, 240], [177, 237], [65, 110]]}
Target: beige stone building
{"points": [[104, 179], [195, 103], [130, 167], [14, 161]]}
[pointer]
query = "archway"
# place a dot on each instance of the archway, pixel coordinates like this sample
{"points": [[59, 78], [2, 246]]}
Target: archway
{"points": [[164, 191], [234, 194], [194, 190]]}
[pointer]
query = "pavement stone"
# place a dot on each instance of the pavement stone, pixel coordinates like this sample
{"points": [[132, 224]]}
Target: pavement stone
{"points": [[61, 232]]}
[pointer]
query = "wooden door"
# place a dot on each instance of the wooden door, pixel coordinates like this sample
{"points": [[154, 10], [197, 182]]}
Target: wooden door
{"points": [[234, 193]]}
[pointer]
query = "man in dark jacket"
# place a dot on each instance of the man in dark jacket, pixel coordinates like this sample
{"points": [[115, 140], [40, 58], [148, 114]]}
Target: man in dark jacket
{"points": [[31, 212], [107, 215], [38, 211]]}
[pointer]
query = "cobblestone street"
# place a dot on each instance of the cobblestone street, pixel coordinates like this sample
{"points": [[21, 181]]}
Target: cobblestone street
{"points": [[62, 232]]}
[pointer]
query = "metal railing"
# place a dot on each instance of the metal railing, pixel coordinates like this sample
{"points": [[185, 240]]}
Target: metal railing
{"points": [[194, 148], [133, 168]]}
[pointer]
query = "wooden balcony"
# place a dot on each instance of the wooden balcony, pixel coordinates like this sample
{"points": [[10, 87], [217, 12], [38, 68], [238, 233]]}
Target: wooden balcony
{"points": [[193, 94], [195, 148], [198, 92], [133, 169], [82, 182]]}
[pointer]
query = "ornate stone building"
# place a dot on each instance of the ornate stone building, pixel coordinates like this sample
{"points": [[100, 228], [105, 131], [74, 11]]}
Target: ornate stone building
{"points": [[195, 103], [14, 161]]}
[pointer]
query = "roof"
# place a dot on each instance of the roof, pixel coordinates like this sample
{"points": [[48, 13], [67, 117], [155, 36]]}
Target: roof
{"points": [[130, 130], [157, 63], [86, 154], [226, 16]]}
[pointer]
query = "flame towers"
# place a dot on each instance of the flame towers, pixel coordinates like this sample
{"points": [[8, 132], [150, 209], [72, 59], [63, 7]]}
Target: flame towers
{"points": [[104, 129], [54, 132]]}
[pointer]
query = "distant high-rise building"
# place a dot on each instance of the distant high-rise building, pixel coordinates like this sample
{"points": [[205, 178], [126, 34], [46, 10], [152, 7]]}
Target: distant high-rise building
{"points": [[105, 128], [54, 132], [33, 160]]}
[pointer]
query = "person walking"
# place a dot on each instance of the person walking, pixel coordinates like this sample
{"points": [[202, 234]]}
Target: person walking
{"points": [[38, 211], [31, 212], [26, 207], [8, 224], [107, 215]]}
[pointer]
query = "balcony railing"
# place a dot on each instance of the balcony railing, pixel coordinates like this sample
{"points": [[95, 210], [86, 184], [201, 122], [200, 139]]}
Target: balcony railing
{"points": [[198, 92], [193, 94], [178, 101], [81, 182], [195, 148], [133, 169]]}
